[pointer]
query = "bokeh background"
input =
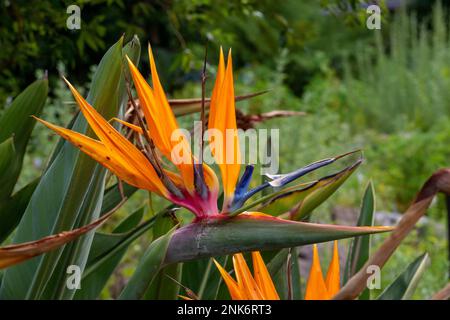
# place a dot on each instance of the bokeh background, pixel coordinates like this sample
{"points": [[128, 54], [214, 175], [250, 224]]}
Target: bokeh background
{"points": [[383, 91]]}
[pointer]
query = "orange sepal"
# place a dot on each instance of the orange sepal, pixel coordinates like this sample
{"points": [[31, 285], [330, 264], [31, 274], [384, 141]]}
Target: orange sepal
{"points": [[223, 118], [245, 279], [262, 278], [97, 150], [316, 288], [233, 288], [333, 274]]}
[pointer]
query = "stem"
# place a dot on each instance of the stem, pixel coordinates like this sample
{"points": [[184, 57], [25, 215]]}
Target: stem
{"points": [[447, 203], [199, 178], [202, 115], [202, 288], [289, 275]]}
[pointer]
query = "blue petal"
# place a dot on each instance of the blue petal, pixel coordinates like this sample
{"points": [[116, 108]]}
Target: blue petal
{"points": [[242, 186]]}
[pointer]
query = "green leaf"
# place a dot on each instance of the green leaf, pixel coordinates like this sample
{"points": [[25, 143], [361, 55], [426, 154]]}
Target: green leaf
{"points": [[104, 242], [113, 197], [163, 285], [118, 242], [202, 277], [194, 273], [359, 251], [11, 211], [276, 263], [68, 195], [93, 283], [286, 279], [147, 269], [404, 285], [18, 124], [296, 275], [130, 222], [76, 253], [300, 200], [243, 233], [7, 157]]}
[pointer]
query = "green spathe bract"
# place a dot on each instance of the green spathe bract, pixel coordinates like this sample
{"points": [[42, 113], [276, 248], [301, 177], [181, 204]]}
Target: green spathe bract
{"points": [[245, 233]]}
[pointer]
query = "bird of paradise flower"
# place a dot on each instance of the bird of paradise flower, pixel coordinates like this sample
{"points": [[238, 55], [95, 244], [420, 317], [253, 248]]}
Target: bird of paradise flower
{"points": [[194, 187]]}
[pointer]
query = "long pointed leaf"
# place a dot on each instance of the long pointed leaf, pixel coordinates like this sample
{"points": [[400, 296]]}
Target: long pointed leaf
{"points": [[93, 283], [11, 210], [277, 261], [205, 282], [113, 196], [360, 246], [76, 253], [17, 122], [7, 157], [147, 269], [404, 285], [163, 285], [120, 242]]}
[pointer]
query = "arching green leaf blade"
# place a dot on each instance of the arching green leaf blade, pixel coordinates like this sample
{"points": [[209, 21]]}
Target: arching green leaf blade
{"points": [[93, 283], [360, 246], [18, 124], [147, 269], [404, 285]]}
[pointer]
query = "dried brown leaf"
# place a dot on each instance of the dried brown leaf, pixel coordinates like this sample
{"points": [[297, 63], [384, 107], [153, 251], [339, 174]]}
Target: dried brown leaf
{"points": [[17, 253], [443, 294], [438, 182]]}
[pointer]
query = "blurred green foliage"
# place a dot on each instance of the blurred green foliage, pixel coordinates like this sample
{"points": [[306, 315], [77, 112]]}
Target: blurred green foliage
{"points": [[402, 83], [395, 94], [35, 36]]}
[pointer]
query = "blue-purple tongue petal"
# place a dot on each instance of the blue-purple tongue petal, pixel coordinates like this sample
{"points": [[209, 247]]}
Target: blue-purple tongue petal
{"points": [[244, 182], [240, 193], [199, 181]]}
